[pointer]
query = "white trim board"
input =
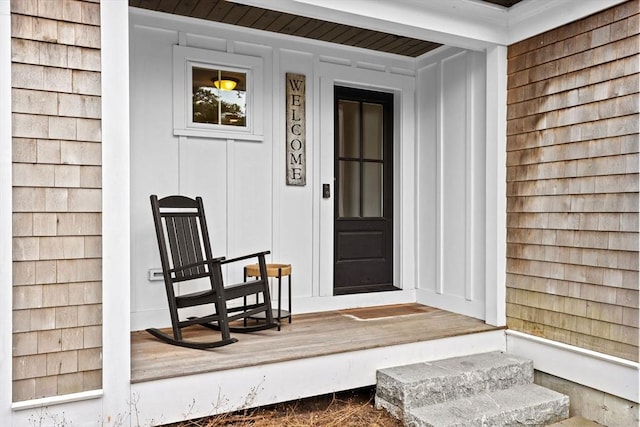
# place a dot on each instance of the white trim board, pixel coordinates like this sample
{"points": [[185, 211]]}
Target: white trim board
{"points": [[234, 389], [530, 18], [57, 400], [469, 24], [609, 374], [6, 274], [116, 341], [402, 86], [496, 186]]}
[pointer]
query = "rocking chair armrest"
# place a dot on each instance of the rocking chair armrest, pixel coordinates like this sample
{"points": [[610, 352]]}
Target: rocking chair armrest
{"points": [[240, 258], [197, 264]]}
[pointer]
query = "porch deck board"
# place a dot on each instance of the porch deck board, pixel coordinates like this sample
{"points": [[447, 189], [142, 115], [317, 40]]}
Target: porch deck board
{"points": [[309, 335]]}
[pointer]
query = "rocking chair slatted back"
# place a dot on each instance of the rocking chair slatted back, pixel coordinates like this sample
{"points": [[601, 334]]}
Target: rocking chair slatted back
{"points": [[183, 234]]}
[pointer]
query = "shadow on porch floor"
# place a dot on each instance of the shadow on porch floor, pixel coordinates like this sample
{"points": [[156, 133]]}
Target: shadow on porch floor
{"points": [[309, 335]]}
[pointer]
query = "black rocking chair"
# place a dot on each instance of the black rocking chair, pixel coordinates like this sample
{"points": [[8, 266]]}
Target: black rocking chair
{"points": [[185, 253]]}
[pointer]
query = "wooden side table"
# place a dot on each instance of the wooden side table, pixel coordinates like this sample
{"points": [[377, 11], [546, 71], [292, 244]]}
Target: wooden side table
{"points": [[273, 270]]}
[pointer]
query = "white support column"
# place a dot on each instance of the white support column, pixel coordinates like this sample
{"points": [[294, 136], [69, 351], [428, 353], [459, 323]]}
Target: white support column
{"points": [[6, 276], [115, 211], [496, 192]]}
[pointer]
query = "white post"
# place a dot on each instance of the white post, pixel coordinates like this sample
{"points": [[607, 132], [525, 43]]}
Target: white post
{"points": [[116, 276], [496, 192], [6, 276]]}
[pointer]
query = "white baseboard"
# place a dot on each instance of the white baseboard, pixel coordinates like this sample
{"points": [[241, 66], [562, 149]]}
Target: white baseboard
{"points": [[612, 375], [57, 400]]}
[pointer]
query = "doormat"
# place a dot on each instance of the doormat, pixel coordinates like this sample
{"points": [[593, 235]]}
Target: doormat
{"points": [[385, 311]]}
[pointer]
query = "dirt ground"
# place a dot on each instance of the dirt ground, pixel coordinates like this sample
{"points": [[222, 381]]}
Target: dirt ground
{"points": [[352, 408]]}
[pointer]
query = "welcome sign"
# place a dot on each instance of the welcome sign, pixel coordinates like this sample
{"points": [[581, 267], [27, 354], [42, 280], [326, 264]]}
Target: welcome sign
{"points": [[296, 129]]}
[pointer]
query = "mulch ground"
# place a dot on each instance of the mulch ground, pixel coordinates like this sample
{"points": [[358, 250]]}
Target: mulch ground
{"points": [[354, 408]]}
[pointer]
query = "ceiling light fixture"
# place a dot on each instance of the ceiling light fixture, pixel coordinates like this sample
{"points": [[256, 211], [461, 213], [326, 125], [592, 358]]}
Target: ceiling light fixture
{"points": [[225, 84]]}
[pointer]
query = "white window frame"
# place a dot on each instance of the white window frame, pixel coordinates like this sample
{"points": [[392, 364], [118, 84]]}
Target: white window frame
{"points": [[184, 59]]}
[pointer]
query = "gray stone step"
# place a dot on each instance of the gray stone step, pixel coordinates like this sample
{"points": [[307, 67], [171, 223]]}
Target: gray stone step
{"points": [[521, 405], [402, 388], [576, 422]]}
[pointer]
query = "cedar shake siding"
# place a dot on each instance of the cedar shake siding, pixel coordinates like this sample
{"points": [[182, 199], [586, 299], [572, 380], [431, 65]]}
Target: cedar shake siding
{"points": [[572, 183], [56, 110]]}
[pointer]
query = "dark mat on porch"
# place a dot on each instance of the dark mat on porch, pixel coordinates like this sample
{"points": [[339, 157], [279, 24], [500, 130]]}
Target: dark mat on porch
{"points": [[379, 312]]}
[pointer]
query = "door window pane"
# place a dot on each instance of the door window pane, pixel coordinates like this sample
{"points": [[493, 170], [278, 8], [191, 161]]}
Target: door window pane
{"points": [[219, 97], [372, 131], [372, 189], [349, 138], [349, 189]]}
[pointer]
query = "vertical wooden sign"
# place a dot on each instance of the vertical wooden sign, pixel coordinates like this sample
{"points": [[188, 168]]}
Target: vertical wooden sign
{"points": [[296, 129]]}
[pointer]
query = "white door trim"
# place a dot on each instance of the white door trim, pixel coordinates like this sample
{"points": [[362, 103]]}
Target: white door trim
{"points": [[404, 160]]}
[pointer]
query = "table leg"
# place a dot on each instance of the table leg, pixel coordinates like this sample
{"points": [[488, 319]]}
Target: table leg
{"points": [[279, 293], [290, 312], [244, 299]]}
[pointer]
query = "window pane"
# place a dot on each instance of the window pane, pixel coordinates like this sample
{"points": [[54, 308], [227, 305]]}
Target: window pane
{"points": [[372, 130], [205, 99], [372, 190], [349, 139], [349, 190], [219, 96]]}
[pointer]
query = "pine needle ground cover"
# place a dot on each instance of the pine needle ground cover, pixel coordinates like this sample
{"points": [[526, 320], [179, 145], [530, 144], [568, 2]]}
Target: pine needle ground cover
{"points": [[353, 408]]}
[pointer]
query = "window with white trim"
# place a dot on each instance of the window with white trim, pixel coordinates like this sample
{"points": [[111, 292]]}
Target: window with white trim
{"points": [[217, 94]]}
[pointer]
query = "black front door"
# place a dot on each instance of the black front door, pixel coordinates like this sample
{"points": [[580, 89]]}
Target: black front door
{"points": [[363, 207]]}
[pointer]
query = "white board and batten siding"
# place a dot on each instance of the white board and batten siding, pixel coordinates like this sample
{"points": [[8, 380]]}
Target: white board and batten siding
{"points": [[451, 181], [438, 162], [232, 175]]}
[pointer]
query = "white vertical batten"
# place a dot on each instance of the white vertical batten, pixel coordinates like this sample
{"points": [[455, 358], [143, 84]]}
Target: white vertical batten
{"points": [[439, 288], [6, 275], [116, 276], [316, 190], [182, 156], [469, 282], [231, 189], [409, 257], [406, 242], [276, 157], [496, 178], [317, 201], [325, 214]]}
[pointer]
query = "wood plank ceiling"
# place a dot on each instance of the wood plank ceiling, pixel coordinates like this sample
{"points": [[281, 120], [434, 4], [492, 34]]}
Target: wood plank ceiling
{"points": [[285, 23]]}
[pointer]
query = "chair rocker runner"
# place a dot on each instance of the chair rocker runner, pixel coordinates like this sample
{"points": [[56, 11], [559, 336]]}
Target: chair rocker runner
{"points": [[185, 253]]}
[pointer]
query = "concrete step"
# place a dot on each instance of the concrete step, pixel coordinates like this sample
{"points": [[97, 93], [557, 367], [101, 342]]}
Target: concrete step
{"points": [[403, 388], [521, 405], [576, 422]]}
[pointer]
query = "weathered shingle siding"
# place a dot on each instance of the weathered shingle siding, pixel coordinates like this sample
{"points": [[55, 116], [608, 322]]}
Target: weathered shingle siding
{"points": [[572, 183], [57, 272]]}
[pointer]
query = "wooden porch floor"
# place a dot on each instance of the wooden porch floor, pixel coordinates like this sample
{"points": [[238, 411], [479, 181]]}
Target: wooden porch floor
{"points": [[309, 335]]}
